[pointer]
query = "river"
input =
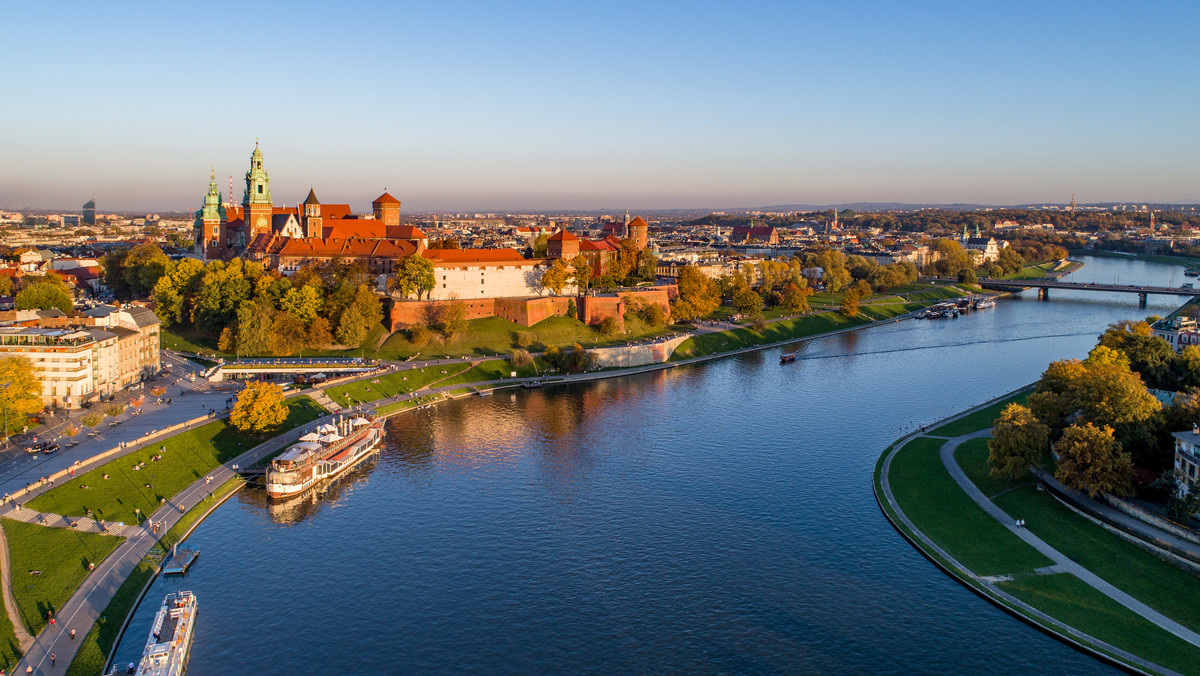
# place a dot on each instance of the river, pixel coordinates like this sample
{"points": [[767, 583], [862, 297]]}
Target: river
{"points": [[713, 518]]}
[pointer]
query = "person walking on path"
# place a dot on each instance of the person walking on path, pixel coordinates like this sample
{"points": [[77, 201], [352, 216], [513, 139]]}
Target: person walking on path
{"points": [[51, 659]]}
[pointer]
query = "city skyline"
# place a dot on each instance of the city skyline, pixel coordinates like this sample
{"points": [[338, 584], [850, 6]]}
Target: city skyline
{"points": [[543, 108]]}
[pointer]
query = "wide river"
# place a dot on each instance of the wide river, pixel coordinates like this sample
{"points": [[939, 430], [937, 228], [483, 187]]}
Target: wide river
{"points": [[714, 518]]}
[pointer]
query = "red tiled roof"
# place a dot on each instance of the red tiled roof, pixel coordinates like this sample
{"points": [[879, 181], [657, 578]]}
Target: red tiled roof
{"points": [[385, 198], [639, 221], [450, 256], [346, 228], [405, 232], [563, 236]]}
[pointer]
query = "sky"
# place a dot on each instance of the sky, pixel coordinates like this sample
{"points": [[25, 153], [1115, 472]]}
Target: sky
{"points": [[521, 106]]}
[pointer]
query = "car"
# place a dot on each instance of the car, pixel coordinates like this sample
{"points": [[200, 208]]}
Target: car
{"points": [[50, 449]]}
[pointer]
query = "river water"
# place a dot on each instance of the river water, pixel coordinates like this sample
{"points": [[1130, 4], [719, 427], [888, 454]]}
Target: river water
{"points": [[715, 518]]}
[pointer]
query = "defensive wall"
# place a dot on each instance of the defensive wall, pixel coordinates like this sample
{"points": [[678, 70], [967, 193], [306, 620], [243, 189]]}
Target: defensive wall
{"points": [[529, 311]]}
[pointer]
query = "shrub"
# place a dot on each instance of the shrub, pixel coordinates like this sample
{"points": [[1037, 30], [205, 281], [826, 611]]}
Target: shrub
{"points": [[523, 339], [420, 336], [521, 358], [609, 326], [571, 311]]}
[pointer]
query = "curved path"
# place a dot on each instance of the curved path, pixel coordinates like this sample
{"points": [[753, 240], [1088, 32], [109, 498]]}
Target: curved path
{"points": [[1062, 563]]}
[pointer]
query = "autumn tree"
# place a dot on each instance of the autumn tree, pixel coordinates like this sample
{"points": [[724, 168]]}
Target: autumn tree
{"points": [[794, 298], [556, 276], [581, 273], [319, 334], [288, 333], [412, 275], [850, 304], [142, 267], [698, 295], [1091, 460], [254, 323], [747, 302], [1018, 441], [19, 390], [260, 408], [304, 302], [174, 288]]}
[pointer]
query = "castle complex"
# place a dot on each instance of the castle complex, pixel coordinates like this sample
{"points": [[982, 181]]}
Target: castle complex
{"points": [[283, 239]]}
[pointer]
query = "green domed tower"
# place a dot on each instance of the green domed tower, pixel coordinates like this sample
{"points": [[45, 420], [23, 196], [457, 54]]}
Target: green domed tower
{"points": [[257, 198]]}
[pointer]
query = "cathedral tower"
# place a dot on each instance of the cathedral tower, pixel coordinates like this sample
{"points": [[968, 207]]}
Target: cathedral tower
{"points": [[257, 199], [312, 215], [210, 221]]}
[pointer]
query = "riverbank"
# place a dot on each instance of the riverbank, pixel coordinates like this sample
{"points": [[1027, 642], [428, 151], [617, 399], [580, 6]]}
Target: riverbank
{"points": [[1061, 573], [1152, 258], [138, 573]]}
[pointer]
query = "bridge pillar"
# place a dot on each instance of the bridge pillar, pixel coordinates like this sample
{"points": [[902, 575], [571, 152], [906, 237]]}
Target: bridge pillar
{"points": [[1043, 294], [1141, 300]]}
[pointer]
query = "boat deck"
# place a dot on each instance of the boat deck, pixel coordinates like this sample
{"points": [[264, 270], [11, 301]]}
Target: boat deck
{"points": [[180, 562]]}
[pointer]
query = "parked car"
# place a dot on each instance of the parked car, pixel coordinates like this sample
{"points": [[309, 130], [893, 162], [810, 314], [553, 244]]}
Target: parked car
{"points": [[50, 449]]}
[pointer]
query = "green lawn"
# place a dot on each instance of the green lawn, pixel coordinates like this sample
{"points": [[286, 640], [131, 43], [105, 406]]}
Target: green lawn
{"points": [[941, 510], [188, 457], [497, 369], [972, 456], [1072, 601], [888, 310], [187, 340], [787, 329], [10, 652], [979, 420], [1033, 271], [62, 555], [1161, 586], [493, 336], [389, 385]]}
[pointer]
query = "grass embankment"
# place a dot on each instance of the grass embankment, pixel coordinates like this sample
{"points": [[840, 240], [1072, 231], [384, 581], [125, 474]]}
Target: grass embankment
{"points": [[787, 329], [1074, 602], [1033, 271], [95, 647], [188, 456], [61, 555], [979, 420], [391, 384], [497, 369], [941, 510], [493, 336], [187, 341]]}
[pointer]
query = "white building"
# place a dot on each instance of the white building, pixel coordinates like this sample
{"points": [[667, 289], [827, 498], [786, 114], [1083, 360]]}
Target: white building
{"points": [[61, 358]]}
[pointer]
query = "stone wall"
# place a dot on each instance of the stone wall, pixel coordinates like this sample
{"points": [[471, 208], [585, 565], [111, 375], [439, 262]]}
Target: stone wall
{"points": [[408, 313], [636, 355], [530, 311]]}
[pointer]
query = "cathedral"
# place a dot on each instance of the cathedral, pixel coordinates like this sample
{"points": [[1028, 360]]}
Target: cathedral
{"points": [[283, 238]]}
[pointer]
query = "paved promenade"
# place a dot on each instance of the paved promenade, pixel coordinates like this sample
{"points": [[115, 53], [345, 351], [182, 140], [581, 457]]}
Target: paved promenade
{"points": [[89, 601]]}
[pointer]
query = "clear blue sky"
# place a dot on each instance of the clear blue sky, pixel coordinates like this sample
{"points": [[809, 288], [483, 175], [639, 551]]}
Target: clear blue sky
{"points": [[484, 106]]}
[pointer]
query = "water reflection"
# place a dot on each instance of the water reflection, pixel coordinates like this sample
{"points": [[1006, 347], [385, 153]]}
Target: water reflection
{"points": [[291, 511]]}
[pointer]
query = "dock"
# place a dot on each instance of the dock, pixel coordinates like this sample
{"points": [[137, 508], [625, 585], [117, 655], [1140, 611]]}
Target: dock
{"points": [[181, 560]]}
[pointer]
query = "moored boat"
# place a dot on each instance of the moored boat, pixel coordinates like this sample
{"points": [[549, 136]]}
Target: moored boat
{"points": [[323, 454], [166, 651], [787, 358]]}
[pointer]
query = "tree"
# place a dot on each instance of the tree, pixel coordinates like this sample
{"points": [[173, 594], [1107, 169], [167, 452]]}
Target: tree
{"points": [[556, 276], [698, 295], [413, 274], [6, 285], [174, 288], [44, 296], [71, 431], [319, 334], [304, 303], [609, 326], [967, 276], [227, 342], [222, 289], [647, 267], [1180, 504], [158, 391], [91, 420], [747, 302], [1018, 441], [260, 408], [288, 333], [850, 298], [254, 323], [451, 319], [541, 246], [143, 266], [114, 410], [581, 273], [19, 390], [353, 326], [1091, 460], [521, 358], [795, 298]]}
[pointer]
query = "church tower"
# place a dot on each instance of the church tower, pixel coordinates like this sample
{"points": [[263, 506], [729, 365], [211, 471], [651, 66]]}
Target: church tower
{"points": [[312, 215], [257, 199], [210, 221]]}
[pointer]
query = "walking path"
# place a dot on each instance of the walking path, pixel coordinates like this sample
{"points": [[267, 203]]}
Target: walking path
{"points": [[98, 589], [1061, 561]]}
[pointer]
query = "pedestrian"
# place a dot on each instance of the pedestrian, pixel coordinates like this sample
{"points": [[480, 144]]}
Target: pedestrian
{"points": [[72, 634], [52, 658]]}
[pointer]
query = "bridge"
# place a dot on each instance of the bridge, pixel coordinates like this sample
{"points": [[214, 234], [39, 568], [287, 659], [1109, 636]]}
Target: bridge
{"points": [[1044, 285]]}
